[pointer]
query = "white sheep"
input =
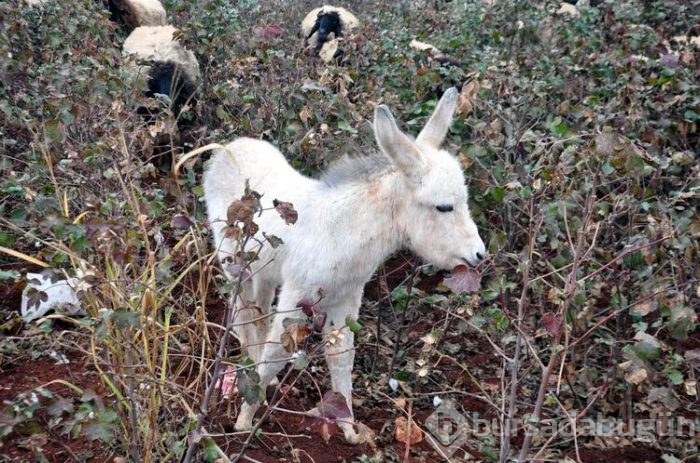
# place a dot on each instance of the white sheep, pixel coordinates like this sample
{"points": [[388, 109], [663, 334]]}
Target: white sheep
{"points": [[321, 22], [411, 194]]}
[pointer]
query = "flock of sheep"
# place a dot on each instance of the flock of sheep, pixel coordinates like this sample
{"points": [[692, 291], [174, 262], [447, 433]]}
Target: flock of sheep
{"points": [[153, 49]]}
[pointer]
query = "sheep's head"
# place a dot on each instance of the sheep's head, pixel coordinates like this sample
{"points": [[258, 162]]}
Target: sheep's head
{"points": [[327, 23], [432, 205]]}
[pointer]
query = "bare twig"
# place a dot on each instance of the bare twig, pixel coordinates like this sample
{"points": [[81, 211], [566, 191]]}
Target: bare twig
{"points": [[514, 363]]}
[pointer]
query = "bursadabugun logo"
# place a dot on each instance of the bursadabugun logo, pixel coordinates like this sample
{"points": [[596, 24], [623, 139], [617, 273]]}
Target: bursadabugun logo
{"points": [[448, 429]]}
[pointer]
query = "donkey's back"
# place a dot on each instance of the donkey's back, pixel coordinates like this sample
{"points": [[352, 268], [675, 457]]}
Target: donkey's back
{"points": [[265, 170]]}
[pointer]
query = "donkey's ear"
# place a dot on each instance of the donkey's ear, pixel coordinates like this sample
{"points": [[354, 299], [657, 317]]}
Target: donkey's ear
{"points": [[398, 146], [435, 130]]}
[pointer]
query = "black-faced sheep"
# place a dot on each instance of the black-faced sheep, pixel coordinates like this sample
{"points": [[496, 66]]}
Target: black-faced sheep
{"points": [[136, 13], [172, 70], [320, 23]]}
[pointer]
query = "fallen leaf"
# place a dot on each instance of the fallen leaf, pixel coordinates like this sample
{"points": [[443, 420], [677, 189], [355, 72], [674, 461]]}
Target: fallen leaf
{"points": [[293, 335], [467, 97], [407, 433], [644, 308], [636, 376], [305, 114], [463, 280], [181, 221], [552, 323], [334, 406], [269, 32]]}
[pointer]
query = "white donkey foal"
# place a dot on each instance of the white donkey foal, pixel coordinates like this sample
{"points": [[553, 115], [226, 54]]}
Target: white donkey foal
{"points": [[411, 194]]}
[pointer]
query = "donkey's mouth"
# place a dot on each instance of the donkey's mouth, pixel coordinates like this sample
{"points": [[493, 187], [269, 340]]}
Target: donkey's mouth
{"points": [[470, 263]]}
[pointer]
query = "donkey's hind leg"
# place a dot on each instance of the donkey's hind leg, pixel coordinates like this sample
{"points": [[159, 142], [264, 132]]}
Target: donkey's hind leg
{"points": [[273, 358], [264, 291], [248, 322]]}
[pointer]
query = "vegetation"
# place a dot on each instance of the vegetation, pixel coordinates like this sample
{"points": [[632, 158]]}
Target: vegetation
{"points": [[580, 137]]}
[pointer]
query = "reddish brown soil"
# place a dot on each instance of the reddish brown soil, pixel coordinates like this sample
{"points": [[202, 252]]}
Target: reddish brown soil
{"points": [[618, 455], [289, 437], [29, 374]]}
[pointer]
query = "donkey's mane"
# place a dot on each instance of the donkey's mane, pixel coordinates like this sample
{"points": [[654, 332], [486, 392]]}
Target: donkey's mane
{"points": [[361, 168]]}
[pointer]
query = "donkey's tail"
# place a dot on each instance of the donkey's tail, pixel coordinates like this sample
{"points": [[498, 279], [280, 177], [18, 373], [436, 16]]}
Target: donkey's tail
{"points": [[187, 156]]}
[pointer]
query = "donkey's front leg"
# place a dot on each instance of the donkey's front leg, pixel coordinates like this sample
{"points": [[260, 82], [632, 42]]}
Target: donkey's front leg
{"points": [[340, 356]]}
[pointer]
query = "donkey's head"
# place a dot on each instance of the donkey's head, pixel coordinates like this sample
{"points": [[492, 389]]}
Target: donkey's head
{"points": [[432, 206]]}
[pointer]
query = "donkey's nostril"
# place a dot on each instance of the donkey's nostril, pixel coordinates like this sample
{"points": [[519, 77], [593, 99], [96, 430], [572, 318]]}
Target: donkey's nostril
{"points": [[479, 256]]}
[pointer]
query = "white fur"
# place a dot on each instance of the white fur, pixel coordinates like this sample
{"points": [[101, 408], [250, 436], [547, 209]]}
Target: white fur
{"points": [[175, 52], [144, 41], [348, 21], [37, 3], [344, 231], [145, 12]]}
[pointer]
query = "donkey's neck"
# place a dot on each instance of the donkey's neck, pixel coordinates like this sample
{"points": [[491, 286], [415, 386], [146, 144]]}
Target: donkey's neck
{"points": [[359, 225]]}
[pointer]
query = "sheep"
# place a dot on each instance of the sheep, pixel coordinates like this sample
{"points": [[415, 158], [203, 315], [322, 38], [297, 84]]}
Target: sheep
{"points": [[410, 194], [136, 13], [326, 20], [173, 70], [571, 7], [36, 3]]}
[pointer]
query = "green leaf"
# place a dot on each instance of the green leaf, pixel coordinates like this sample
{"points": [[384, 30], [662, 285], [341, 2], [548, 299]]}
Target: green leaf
{"points": [[683, 322], [343, 125], [353, 325], [10, 275], [497, 194], [676, 377], [124, 319], [301, 362], [691, 116], [60, 406], [274, 241], [211, 450], [248, 386]]}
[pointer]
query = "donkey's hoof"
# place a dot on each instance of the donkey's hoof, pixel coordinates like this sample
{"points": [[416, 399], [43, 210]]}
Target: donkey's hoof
{"points": [[364, 434], [351, 437]]}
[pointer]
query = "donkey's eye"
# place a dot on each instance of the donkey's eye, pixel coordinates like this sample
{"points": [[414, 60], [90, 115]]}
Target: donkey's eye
{"points": [[444, 208]]}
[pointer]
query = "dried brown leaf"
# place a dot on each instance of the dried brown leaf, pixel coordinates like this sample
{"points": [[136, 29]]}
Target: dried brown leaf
{"points": [[407, 433], [286, 211], [293, 335], [552, 323], [463, 280]]}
